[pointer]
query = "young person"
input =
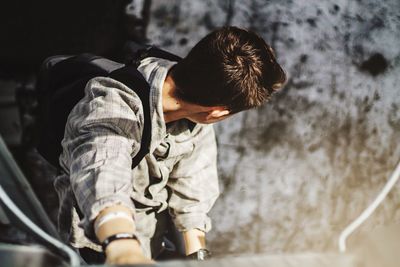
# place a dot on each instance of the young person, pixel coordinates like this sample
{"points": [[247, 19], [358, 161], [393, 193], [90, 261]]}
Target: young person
{"points": [[103, 200]]}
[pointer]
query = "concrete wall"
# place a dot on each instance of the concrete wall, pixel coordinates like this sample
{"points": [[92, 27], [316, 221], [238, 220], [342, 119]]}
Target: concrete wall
{"points": [[295, 172]]}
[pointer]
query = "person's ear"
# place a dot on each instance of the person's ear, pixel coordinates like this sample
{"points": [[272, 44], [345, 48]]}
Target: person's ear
{"points": [[218, 112]]}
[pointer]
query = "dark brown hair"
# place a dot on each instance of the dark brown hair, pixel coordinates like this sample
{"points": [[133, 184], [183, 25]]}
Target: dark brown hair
{"points": [[229, 67]]}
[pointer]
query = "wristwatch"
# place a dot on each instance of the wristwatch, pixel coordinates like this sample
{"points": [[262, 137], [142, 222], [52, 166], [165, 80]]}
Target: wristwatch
{"points": [[200, 255]]}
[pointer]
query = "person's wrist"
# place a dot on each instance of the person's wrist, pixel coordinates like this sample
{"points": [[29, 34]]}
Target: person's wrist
{"points": [[194, 240], [124, 246]]}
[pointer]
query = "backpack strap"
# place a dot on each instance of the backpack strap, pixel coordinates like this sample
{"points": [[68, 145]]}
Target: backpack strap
{"points": [[136, 52], [153, 51], [133, 79]]}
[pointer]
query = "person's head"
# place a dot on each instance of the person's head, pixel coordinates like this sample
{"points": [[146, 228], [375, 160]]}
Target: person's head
{"points": [[230, 68]]}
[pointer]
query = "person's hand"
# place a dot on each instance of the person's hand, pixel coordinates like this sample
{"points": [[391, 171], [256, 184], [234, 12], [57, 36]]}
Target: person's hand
{"points": [[126, 251]]}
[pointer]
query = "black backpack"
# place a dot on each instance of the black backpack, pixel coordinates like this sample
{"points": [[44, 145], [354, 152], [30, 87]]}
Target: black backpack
{"points": [[61, 84]]}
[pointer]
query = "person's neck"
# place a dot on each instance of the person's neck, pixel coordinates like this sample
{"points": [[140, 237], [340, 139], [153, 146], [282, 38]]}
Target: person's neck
{"points": [[173, 108]]}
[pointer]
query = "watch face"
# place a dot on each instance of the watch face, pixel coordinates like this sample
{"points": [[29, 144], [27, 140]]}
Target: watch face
{"points": [[202, 254]]}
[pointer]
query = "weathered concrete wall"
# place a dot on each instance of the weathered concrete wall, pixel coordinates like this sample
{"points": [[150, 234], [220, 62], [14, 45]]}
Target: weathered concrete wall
{"points": [[295, 172]]}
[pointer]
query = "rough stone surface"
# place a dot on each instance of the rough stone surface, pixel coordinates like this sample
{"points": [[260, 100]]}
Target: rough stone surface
{"points": [[295, 172]]}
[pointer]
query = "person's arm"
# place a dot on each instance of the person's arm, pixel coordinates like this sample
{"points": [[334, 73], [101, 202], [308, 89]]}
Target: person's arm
{"points": [[102, 135], [194, 187], [124, 251]]}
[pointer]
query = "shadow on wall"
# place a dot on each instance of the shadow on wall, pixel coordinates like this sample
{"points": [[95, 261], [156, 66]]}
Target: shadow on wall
{"points": [[33, 31]]}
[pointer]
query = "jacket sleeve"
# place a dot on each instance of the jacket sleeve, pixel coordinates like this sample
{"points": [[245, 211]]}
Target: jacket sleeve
{"points": [[101, 137], [194, 183]]}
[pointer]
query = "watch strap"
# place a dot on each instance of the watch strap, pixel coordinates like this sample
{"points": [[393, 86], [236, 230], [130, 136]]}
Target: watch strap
{"points": [[119, 236]]}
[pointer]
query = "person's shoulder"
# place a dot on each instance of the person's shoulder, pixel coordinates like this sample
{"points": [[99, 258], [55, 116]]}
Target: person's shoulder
{"points": [[106, 100], [106, 85], [112, 93]]}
